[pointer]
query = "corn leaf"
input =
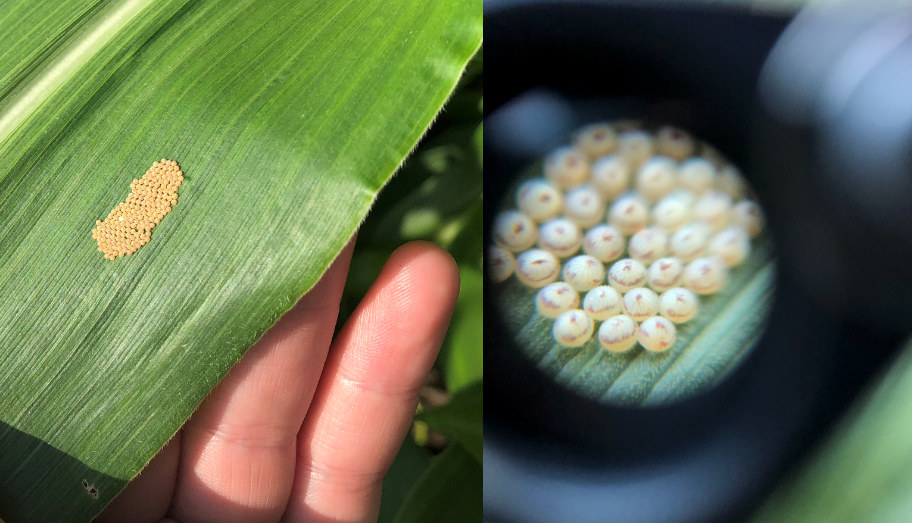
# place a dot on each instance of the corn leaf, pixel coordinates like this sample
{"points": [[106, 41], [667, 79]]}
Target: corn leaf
{"points": [[287, 118]]}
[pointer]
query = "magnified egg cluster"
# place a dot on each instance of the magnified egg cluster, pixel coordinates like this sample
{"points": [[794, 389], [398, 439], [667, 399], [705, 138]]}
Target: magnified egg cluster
{"points": [[623, 233]]}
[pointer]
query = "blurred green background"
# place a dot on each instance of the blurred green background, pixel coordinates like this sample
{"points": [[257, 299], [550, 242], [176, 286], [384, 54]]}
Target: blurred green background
{"points": [[437, 196]]}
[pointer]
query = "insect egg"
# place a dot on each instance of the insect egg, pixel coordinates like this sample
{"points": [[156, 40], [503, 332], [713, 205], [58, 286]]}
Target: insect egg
{"points": [[731, 245], [674, 143], [641, 304], [635, 147], [671, 214], [626, 275], [731, 182], [555, 299], [689, 242], [678, 305], [584, 206], [611, 177], [573, 328], [539, 200], [697, 175], [618, 333], [685, 196], [537, 268], [706, 275], [628, 215], [602, 303], [656, 334], [647, 245], [560, 236], [596, 140], [749, 216], [566, 167], [514, 231], [664, 274], [714, 209], [604, 243], [501, 263], [584, 273], [656, 178]]}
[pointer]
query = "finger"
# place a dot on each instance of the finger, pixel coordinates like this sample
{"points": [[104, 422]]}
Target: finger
{"points": [[238, 451], [148, 496], [368, 393]]}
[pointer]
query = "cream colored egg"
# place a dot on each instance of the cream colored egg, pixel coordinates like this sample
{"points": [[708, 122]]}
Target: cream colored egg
{"points": [[611, 177], [514, 231], [596, 140], [537, 268], [748, 215], [602, 303], [604, 243], [706, 275], [648, 245], [636, 147], [731, 245], [584, 206], [626, 275], [674, 143], [656, 334], [584, 273], [567, 168], [685, 196], [678, 305], [689, 242], [555, 299], [618, 334], [732, 182], [539, 200], [561, 237], [641, 304], [657, 177], [714, 209], [501, 263], [628, 215], [664, 274], [670, 214], [573, 328], [697, 175]]}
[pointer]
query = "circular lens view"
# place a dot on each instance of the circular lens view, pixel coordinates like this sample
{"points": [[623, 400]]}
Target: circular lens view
{"points": [[632, 264]]}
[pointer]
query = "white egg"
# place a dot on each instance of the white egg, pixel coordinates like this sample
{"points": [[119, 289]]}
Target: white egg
{"points": [[584, 206], [514, 231], [628, 215], [714, 209], [560, 236], [706, 275], [678, 305], [584, 273], [596, 140], [697, 175], [539, 200], [573, 328], [611, 177], [555, 299], [656, 334], [626, 275], [603, 302], [671, 214], [537, 268], [657, 177], [501, 263], [641, 304], [618, 333], [689, 242], [665, 274], [685, 196], [648, 245], [748, 215], [567, 168], [732, 245], [635, 146], [674, 143], [732, 182], [604, 243]]}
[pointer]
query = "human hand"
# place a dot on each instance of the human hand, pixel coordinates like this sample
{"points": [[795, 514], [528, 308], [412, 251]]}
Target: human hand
{"points": [[301, 431]]}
